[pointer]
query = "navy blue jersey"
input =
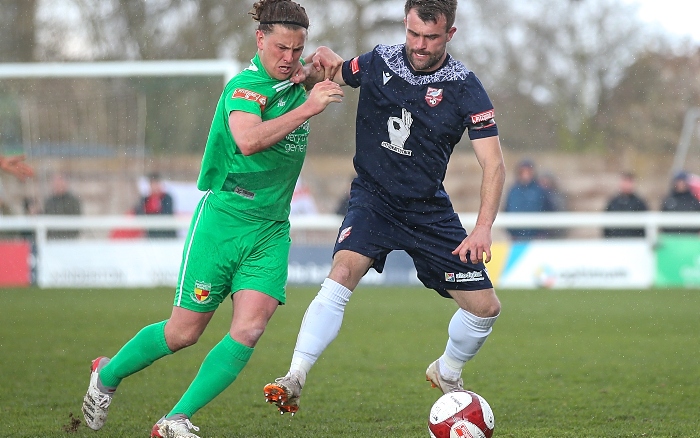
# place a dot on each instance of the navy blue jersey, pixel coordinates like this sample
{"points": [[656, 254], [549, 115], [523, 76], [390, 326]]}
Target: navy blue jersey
{"points": [[408, 124]]}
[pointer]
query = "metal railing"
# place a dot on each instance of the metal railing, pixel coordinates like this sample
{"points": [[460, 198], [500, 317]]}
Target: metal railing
{"points": [[652, 222]]}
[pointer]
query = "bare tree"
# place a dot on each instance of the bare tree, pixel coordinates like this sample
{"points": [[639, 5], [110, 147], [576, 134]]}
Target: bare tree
{"points": [[547, 64], [645, 112], [561, 57], [17, 20]]}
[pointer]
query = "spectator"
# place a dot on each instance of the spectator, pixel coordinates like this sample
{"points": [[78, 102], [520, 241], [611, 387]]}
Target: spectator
{"points": [[156, 202], [341, 208], [679, 200], [302, 200], [5, 210], [343, 204], [63, 203], [526, 196], [626, 200], [557, 201]]}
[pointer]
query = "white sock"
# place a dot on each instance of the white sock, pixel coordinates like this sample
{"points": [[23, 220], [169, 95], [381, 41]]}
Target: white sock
{"points": [[467, 333], [320, 325]]}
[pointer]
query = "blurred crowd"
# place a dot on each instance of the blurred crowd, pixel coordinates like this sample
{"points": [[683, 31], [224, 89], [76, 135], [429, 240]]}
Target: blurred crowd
{"points": [[532, 191], [539, 192]]}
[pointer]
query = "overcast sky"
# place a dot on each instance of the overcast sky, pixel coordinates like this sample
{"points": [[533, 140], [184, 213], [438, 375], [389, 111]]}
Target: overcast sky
{"points": [[679, 17]]}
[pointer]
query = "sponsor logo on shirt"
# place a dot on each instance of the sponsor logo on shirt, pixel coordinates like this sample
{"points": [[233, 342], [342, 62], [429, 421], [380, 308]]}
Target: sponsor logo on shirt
{"points": [[464, 277], [344, 234], [242, 93], [483, 117], [243, 192], [355, 66], [434, 96], [298, 138], [201, 292], [399, 131]]}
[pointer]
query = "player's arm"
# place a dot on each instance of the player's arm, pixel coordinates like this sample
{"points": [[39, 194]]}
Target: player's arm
{"points": [[16, 166], [253, 135], [478, 242], [321, 65]]}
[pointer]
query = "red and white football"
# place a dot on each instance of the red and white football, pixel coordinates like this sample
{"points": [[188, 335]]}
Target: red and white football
{"points": [[461, 414]]}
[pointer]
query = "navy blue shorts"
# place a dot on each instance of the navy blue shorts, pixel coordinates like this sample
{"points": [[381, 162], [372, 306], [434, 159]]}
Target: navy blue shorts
{"points": [[367, 232]]}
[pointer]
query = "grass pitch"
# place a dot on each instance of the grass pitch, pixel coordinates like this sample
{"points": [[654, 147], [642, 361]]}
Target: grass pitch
{"points": [[558, 364]]}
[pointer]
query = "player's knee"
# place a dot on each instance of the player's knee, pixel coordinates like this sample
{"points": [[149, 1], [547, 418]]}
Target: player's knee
{"points": [[492, 309], [248, 335], [341, 273], [182, 339]]}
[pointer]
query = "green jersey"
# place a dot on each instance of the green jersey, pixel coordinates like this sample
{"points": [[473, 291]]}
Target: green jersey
{"points": [[260, 184]]}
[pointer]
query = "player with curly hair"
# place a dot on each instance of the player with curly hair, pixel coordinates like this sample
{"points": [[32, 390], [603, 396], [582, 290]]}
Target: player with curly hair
{"points": [[238, 242]]}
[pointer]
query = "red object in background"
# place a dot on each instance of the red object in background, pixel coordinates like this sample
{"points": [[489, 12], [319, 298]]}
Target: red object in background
{"points": [[15, 269], [127, 233], [694, 185]]}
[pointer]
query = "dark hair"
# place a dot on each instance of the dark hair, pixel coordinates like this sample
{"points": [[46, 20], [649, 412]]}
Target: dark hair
{"points": [[681, 176], [526, 162], [285, 12], [628, 175], [430, 10]]}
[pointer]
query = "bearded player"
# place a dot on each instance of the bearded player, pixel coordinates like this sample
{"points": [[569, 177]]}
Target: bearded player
{"points": [[416, 102]]}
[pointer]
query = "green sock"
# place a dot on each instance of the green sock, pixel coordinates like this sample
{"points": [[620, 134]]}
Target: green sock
{"points": [[142, 350], [219, 369]]}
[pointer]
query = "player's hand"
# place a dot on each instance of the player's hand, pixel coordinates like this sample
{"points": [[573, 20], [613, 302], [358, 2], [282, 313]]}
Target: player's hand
{"points": [[301, 73], [16, 166], [322, 94], [322, 64], [327, 61], [477, 245]]}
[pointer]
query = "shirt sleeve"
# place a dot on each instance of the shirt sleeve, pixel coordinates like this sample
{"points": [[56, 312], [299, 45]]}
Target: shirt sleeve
{"points": [[242, 97], [481, 116], [354, 69]]}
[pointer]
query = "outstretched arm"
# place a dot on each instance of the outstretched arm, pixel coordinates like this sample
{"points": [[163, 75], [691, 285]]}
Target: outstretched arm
{"points": [[478, 242], [16, 166]]}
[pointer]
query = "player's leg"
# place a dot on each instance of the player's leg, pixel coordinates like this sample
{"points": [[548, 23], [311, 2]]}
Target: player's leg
{"points": [[251, 312], [469, 328], [258, 252], [364, 240], [468, 284], [319, 328], [150, 344]]}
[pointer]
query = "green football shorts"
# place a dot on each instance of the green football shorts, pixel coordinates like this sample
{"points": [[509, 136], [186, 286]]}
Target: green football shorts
{"points": [[226, 252]]}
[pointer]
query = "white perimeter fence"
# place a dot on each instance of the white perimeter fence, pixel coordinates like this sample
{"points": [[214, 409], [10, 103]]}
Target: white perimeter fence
{"points": [[97, 260], [652, 222]]}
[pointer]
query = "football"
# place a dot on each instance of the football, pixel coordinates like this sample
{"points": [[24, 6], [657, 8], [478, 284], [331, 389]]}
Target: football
{"points": [[461, 414]]}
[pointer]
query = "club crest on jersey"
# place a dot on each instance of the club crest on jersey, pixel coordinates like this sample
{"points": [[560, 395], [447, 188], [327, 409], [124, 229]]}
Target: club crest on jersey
{"points": [[433, 96], [201, 292], [344, 234]]}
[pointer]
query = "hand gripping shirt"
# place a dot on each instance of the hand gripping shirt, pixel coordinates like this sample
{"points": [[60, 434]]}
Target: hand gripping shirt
{"points": [[408, 124], [260, 184]]}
